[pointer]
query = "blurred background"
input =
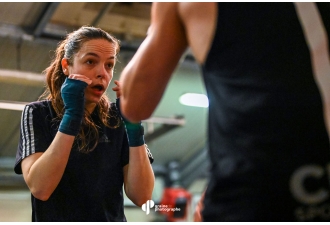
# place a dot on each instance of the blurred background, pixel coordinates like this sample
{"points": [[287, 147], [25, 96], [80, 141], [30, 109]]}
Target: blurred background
{"points": [[175, 134]]}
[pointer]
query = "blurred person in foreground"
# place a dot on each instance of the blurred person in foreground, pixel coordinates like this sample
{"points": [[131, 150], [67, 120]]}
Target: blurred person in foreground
{"points": [[266, 71]]}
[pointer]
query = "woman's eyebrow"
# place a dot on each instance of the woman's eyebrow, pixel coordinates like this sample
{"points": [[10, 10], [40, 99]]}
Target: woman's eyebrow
{"points": [[96, 55]]}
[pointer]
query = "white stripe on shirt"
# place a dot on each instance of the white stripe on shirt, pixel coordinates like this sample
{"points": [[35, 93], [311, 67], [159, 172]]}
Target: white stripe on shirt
{"points": [[23, 131], [28, 143], [32, 145]]}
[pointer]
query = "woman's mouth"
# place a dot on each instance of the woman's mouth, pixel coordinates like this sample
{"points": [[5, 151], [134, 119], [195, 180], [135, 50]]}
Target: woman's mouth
{"points": [[98, 89]]}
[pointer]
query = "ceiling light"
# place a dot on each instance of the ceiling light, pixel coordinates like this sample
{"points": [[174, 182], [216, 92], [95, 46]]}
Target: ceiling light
{"points": [[193, 99]]}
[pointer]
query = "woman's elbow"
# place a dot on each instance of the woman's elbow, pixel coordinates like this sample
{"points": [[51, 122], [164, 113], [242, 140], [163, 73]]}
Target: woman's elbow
{"points": [[40, 194]]}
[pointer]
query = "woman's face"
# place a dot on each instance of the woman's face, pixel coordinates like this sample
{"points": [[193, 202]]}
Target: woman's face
{"points": [[96, 60]]}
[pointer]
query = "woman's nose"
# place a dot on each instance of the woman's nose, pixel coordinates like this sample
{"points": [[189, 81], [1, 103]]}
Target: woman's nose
{"points": [[99, 75], [102, 72]]}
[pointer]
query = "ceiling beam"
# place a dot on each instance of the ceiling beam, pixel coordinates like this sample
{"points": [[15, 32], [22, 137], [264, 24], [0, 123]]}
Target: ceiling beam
{"points": [[167, 123], [45, 17], [9, 105], [105, 9], [20, 77]]}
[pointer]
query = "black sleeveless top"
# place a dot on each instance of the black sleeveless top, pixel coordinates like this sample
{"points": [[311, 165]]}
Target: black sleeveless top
{"points": [[268, 144]]}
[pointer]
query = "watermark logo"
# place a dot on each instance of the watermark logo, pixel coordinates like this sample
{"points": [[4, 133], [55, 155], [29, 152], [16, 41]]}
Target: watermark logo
{"points": [[147, 206], [166, 208], [160, 208]]}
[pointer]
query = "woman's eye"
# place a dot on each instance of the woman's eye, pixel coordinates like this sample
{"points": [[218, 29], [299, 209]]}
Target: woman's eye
{"points": [[110, 65], [89, 62]]}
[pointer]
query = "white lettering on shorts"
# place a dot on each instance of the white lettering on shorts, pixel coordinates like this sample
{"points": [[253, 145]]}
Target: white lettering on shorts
{"points": [[312, 199], [297, 187]]}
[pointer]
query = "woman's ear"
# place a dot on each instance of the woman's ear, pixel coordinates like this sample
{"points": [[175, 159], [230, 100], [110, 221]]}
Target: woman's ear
{"points": [[65, 66]]}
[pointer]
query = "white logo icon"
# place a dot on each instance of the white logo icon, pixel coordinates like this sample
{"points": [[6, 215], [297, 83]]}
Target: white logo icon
{"points": [[147, 206]]}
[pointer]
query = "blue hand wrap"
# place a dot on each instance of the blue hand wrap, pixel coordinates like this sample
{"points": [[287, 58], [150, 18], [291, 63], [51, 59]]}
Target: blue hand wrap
{"points": [[72, 92], [135, 131]]}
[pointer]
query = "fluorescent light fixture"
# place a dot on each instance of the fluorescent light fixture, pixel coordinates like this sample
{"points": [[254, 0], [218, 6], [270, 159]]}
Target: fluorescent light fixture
{"points": [[18, 106], [193, 99]]}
